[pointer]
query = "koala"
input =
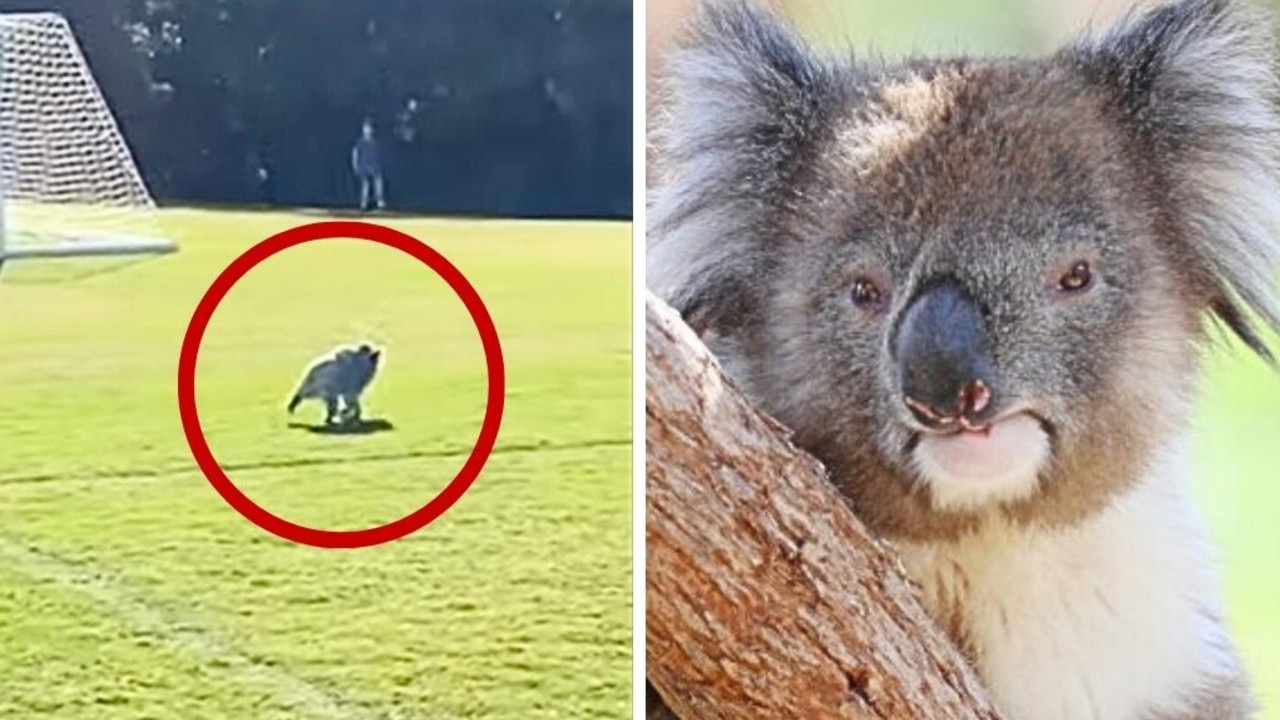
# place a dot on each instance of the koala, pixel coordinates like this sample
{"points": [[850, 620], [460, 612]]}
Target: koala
{"points": [[339, 379], [979, 290]]}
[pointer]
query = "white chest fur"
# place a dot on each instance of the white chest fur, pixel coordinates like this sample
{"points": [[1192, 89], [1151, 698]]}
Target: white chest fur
{"points": [[1114, 619]]}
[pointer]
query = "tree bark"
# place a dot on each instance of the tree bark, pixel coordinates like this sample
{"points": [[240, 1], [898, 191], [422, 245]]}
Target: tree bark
{"points": [[766, 598]]}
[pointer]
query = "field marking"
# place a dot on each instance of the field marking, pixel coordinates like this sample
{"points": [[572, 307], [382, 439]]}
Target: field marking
{"points": [[180, 634], [514, 448]]}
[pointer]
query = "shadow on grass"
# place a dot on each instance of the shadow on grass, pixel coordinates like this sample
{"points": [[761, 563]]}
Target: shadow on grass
{"points": [[359, 427]]}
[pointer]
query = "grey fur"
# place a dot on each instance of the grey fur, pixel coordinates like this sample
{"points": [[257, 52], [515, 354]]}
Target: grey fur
{"points": [[1149, 151], [339, 379]]}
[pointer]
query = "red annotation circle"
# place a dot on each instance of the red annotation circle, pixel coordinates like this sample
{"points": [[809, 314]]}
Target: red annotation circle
{"points": [[341, 538]]}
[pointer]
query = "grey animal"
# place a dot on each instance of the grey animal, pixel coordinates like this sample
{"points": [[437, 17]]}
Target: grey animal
{"points": [[978, 289], [339, 379]]}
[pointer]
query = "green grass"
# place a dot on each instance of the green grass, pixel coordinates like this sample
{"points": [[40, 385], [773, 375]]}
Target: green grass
{"points": [[129, 589]]}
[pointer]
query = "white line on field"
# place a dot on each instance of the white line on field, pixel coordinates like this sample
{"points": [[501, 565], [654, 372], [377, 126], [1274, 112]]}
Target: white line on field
{"points": [[180, 634]]}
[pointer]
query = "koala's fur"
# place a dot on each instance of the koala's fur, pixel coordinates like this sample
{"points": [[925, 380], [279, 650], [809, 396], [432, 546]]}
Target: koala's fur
{"points": [[339, 379], [1089, 590]]}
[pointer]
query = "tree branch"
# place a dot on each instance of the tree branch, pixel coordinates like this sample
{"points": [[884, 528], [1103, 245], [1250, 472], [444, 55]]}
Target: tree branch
{"points": [[766, 598]]}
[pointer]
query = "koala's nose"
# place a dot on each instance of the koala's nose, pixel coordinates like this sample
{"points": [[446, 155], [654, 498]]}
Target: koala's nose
{"points": [[943, 363]]}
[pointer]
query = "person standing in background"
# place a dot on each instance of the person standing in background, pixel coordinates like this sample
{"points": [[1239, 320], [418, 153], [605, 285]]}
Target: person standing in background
{"points": [[368, 167]]}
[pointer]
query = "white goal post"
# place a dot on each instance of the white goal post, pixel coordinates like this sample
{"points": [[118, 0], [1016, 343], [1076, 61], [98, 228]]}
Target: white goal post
{"points": [[69, 186]]}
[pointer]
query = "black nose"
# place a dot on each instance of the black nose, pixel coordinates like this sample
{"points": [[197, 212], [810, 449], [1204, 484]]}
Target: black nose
{"points": [[943, 363]]}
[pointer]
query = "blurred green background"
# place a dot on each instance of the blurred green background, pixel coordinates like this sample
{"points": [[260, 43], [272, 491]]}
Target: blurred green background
{"points": [[969, 26]]}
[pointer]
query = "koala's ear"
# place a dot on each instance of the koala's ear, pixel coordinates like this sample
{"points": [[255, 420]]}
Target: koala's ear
{"points": [[1193, 84], [739, 102], [740, 69]]}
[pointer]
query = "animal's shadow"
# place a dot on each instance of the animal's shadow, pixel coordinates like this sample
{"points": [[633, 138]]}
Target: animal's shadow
{"points": [[356, 427]]}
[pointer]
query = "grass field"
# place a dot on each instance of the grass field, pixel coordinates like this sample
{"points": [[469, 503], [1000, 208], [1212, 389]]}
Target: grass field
{"points": [[129, 589]]}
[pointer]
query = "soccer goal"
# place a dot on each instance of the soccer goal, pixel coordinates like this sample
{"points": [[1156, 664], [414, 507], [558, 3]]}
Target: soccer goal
{"points": [[69, 186]]}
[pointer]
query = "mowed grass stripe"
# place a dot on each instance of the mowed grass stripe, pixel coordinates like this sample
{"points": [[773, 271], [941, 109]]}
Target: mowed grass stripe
{"points": [[143, 473], [168, 629], [494, 610]]}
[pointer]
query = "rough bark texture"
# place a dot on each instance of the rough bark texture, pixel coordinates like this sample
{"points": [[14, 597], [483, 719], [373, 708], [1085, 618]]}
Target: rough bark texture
{"points": [[767, 599]]}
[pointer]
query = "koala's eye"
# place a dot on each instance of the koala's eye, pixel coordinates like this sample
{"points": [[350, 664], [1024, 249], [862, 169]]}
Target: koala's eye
{"points": [[1077, 278], [865, 292]]}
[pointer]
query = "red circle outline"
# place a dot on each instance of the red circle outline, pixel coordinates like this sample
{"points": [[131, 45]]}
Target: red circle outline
{"points": [[347, 229]]}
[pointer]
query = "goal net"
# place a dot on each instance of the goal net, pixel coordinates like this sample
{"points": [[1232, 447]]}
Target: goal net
{"points": [[68, 183]]}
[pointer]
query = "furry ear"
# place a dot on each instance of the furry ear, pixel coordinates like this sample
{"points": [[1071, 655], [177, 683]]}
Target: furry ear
{"points": [[741, 100], [1193, 85]]}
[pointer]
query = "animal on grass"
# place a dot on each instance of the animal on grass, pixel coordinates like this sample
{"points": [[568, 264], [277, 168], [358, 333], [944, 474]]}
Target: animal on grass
{"points": [[339, 379], [979, 290]]}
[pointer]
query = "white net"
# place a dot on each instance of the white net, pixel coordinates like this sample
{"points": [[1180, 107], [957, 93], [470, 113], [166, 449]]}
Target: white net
{"points": [[67, 178]]}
